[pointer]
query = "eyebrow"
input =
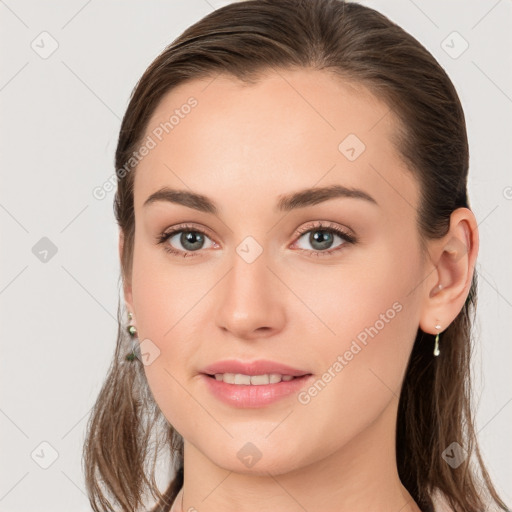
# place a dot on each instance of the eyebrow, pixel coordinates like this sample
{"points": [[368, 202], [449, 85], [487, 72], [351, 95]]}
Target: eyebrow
{"points": [[288, 202]]}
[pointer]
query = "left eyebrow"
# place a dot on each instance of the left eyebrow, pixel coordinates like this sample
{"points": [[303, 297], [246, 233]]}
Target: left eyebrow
{"points": [[312, 196], [300, 199]]}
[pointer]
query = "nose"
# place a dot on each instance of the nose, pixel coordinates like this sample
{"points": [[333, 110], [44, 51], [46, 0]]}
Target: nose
{"points": [[251, 301]]}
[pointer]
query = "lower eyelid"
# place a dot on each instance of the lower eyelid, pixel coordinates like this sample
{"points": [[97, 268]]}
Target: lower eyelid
{"points": [[344, 236], [165, 239], [345, 239]]}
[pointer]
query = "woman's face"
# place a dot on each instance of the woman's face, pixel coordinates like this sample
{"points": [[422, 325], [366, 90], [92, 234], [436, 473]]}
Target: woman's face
{"points": [[261, 280]]}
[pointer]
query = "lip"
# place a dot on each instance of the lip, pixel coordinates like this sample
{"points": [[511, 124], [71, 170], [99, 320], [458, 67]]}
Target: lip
{"points": [[252, 396], [259, 367]]}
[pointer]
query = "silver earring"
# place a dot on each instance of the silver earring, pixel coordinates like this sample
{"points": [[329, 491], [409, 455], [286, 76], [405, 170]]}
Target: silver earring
{"points": [[436, 344], [132, 331]]}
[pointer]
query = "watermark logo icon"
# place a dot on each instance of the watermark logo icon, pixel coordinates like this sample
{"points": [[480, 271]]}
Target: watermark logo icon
{"points": [[44, 45], [249, 249], [148, 352], [44, 250], [44, 455], [454, 455], [249, 455], [454, 45], [351, 147]]}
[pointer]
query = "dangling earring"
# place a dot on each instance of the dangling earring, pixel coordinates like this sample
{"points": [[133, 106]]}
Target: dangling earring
{"points": [[132, 331], [436, 345]]}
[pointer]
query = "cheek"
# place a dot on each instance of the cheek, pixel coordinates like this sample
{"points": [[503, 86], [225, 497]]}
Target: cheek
{"points": [[169, 390], [366, 324], [363, 365], [162, 294], [167, 306]]}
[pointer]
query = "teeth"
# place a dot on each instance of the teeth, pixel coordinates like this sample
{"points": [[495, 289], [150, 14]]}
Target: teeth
{"points": [[256, 380]]}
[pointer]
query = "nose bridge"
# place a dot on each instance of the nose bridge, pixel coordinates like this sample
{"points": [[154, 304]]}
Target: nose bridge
{"points": [[250, 298], [249, 277]]}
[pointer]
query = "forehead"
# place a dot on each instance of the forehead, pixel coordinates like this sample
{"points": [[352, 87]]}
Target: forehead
{"points": [[288, 131]]}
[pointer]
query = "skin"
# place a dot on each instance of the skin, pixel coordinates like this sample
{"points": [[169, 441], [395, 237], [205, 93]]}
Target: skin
{"points": [[243, 146]]}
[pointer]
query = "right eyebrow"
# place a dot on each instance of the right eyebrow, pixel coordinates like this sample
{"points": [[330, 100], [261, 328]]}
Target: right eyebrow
{"points": [[183, 197]]}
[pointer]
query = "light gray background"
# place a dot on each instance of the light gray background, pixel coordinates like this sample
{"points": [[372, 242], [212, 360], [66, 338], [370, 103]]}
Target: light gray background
{"points": [[59, 127]]}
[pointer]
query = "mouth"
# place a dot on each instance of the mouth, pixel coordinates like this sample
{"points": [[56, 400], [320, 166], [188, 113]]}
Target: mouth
{"points": [[253, 391], [261, 371], [255, 380]]}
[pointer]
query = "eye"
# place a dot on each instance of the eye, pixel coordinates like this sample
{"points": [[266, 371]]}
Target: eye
{"points": [[321, 236], [190, 238]]}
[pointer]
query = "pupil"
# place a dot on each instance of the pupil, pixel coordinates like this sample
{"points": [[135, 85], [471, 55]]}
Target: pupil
{"points": [[324, 239], [191, 237]]}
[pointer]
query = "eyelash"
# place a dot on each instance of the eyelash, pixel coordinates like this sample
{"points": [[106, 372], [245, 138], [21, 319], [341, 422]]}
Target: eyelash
{"points": [[320, 226]]}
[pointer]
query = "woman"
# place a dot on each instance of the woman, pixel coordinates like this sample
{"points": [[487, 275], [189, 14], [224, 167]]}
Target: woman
{"points": [[298, 257]]}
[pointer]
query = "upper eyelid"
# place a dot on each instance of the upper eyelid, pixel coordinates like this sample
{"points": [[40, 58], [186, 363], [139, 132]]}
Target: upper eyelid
{"points": [[326, 225], [298, 233], [187, 227]]}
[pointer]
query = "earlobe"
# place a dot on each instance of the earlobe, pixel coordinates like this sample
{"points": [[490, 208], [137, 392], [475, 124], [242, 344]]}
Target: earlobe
{"points": [[449, 283]]}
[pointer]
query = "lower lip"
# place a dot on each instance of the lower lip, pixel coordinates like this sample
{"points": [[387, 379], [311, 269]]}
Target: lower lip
{"points": [[249, 396]]}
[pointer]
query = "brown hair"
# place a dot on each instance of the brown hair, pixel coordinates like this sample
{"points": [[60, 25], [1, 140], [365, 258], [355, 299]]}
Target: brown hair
{"points": [[356, 43]]}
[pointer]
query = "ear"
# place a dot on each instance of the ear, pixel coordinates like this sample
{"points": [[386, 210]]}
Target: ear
{"points": [[447, 285], [127, 287]]}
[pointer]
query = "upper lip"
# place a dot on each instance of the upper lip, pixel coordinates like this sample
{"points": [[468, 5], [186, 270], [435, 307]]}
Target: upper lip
{"points": [[259, 367]]}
